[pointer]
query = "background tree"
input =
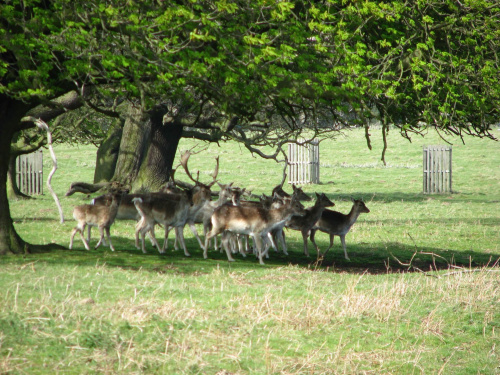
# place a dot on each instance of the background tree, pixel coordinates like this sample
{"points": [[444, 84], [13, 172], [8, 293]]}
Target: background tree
{"points": [[260, 72]]}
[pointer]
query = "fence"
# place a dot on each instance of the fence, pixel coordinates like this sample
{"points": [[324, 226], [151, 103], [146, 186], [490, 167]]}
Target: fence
{"points": [[437, 169], [303, 163], [29, 173]]}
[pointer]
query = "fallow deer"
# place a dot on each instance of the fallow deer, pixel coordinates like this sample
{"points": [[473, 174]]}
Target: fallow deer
{"points": [[338, 224], [277, 234], [201, 206], [145, 225], [305, 223], [254, 221], [99, 216]]}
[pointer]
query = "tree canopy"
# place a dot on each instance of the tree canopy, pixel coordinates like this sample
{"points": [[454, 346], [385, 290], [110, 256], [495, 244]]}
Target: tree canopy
{"points": [[261, 72], [262, 63]]}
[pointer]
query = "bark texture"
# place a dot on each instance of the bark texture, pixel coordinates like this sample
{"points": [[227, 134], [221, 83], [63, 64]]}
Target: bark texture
{"points": [[11, 113], [107, 156], [147, 150]]}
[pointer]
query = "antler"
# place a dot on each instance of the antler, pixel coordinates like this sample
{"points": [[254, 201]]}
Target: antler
{"points": [[216, 172], [184, 160], [184, 163]]}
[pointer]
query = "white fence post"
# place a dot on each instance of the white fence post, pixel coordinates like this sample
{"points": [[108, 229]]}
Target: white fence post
{"points": [[437, 175], [303, 163], [29, 173]]}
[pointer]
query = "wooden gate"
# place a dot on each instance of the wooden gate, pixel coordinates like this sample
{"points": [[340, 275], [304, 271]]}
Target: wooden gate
{"points": [[303, 163], [29, 173], [437, 169]]}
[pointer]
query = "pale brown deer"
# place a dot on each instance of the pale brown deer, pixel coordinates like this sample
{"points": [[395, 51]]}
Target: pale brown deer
{"points": [[254, 221], [146, 225], [99, 216], [338, 224]]}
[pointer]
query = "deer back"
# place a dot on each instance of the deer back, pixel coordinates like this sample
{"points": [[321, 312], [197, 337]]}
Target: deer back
{"points": [[337, 223], [311, 215], [168, 209]]}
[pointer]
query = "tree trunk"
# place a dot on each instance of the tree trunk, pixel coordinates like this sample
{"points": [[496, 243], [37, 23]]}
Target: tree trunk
{"points": [[147, 150], [9, 239], [10, 114], [107, 155]]}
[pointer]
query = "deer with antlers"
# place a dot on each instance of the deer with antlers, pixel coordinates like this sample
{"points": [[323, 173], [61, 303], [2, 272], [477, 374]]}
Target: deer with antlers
{"points": [[175, 210]]}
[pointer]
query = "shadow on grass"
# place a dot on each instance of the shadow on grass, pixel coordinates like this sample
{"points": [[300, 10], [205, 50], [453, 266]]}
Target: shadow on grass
{"points": [[410, 197], [373, 258], [495, 222]]}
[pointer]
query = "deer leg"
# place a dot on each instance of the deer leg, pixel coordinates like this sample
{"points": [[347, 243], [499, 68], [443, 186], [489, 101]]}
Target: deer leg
{"points": [[311, 237], [331, 244], [304, 239], [259, 245], [195, 233], [143, 240], [80, 230], [180, 233], [241, 248], [226, 237], [281, 238], [342, 239], [101, 231], [165, 242], [153, 236], [271, 242], [88, 232], [176, 240], [109, 239], [138, 230], [73, 232], [207, 239]]}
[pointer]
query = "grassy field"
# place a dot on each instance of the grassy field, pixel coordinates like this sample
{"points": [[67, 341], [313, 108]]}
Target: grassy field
{"points": [[421, 294]]}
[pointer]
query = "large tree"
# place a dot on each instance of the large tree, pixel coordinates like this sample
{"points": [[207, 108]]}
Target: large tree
{"points": [[260, 72]]}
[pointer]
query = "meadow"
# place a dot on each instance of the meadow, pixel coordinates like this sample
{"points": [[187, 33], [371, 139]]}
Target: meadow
{"points": [[420, 295]]}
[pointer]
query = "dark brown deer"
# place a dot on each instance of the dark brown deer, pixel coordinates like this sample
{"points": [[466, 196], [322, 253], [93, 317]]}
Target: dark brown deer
{"points": [[305, 223]]}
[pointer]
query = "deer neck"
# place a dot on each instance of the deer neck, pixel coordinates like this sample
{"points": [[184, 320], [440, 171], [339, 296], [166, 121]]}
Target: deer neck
{"points": [[282, 213], [353, 215], [221, 200]]}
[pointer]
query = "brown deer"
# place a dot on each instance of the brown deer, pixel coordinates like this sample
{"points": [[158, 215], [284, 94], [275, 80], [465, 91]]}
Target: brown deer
{"points": [[201, 199], [169, 210], [101, 216], [337, 224], [144, 226], [174, 210], [254, 221], [277, 235], [305, 223]]}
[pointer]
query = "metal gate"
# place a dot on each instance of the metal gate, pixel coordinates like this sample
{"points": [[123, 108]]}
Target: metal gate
{"points": [[303, 163], [29, 173], [437, 169]]}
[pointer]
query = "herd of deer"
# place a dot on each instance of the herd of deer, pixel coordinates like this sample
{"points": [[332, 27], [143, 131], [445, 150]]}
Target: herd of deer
{"points": [[229, 216]]}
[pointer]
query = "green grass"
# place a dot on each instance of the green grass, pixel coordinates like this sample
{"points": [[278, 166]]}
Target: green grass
{"points": [[79, 312]]}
